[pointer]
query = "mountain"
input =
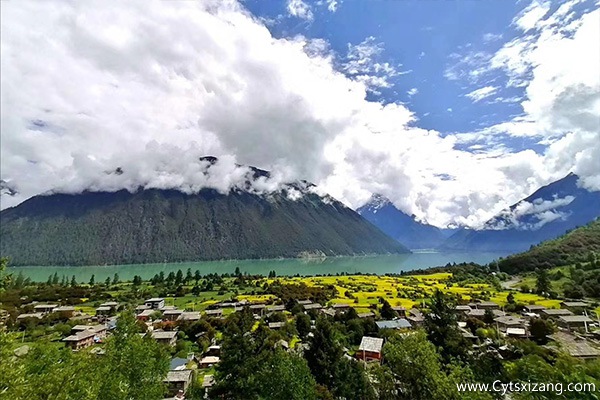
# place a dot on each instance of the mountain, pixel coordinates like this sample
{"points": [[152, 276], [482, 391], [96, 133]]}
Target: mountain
{"points": [[401, 226], [152, 225], [546, 214], [578, 245]]}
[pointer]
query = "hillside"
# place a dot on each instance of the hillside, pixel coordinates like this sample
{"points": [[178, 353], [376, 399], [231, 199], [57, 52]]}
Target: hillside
{"points": [[575, 246], [399, 225], [546, 214], [149, 226]]}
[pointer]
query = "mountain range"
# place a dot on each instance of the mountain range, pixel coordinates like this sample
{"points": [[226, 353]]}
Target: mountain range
{"points": [[546, 214], [579, 245], [154, 225], [403, 227]]}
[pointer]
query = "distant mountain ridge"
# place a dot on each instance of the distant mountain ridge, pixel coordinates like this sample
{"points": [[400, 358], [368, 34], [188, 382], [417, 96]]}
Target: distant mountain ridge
{"points": [[382, 213], [578, 245], [155, 225], [546, 214]]}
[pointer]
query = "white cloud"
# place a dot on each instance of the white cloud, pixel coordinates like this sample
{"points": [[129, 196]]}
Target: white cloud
{"points": [[300, 9], [492, 37], [150, 86], [362, 64], [482, 93], [411, 92], [332, 5], [532, 15], [531, 216]]}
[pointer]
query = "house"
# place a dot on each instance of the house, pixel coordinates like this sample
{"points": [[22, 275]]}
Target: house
{"points": [[330, 312], [214, 350], [401, 323], [172, 315], [312, 306], [25, 316], [516, 332], [257, 309], [208, 381], [468, 335], [555, 313], [155, 303], [575, 321], [208, 361], [509, 321], [534, 308], [141, 308], [415, 317], [103, 311], [574, 345], [64, 310], [190, 316], [178, 382], [275, 308], [112, 304], [81, 340], [574, 306], [340, 307], [100, 330], [44, 308], [168, 338], [369, 349], [178, 363], [145, 315], [85, 336], [218, 312], [484, 305], [304, 302], [369, 314], [462, 310], [401, 311], [276, 325]]}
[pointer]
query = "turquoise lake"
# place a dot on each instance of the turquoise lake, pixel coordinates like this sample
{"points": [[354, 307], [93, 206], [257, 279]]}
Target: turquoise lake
{"points": [[373, 265]]}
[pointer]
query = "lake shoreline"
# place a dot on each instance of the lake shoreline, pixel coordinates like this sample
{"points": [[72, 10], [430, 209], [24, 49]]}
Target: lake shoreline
{"points": [[371, 264]]}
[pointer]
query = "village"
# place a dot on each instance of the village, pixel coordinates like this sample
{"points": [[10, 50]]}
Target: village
{"points": [[190, 330]]}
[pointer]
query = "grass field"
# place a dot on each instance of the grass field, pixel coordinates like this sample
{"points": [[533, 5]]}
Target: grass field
{"points": [[361, 291]]}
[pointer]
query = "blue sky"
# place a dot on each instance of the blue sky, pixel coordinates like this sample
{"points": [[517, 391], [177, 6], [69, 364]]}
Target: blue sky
{"points": [[451, 109], [424, 40]]}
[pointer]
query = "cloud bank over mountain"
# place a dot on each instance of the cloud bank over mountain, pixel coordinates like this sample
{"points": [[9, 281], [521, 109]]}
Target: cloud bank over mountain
{"points": [[151, 86]]}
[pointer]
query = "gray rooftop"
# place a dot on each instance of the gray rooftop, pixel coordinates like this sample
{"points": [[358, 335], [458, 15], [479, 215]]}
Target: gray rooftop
{"points": [[184, 375], [394, 324], [163, 334], [274, 325], [574, 318], [371, 344]]}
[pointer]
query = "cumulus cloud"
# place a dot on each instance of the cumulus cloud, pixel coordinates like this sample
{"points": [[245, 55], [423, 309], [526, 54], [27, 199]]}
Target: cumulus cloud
{"points": [[531, 215], [411, 92], [482, 93], [151, 86], [363, 64], [300, 9]]}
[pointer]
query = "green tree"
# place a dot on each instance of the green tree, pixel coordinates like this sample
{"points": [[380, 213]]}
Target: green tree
{"points": [[73, 281], [179, 278], [510, 298], [386, 310], [137, 280], [133, 366], [92, 281], [539, 329], [303, 325], [442, 328], [197, 276], [5, 277], [285, 376], [188, 276], [542, 285], [116, 279]]}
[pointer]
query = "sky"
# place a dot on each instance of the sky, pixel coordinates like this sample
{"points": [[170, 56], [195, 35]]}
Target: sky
{"points": [[451, 109]]}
